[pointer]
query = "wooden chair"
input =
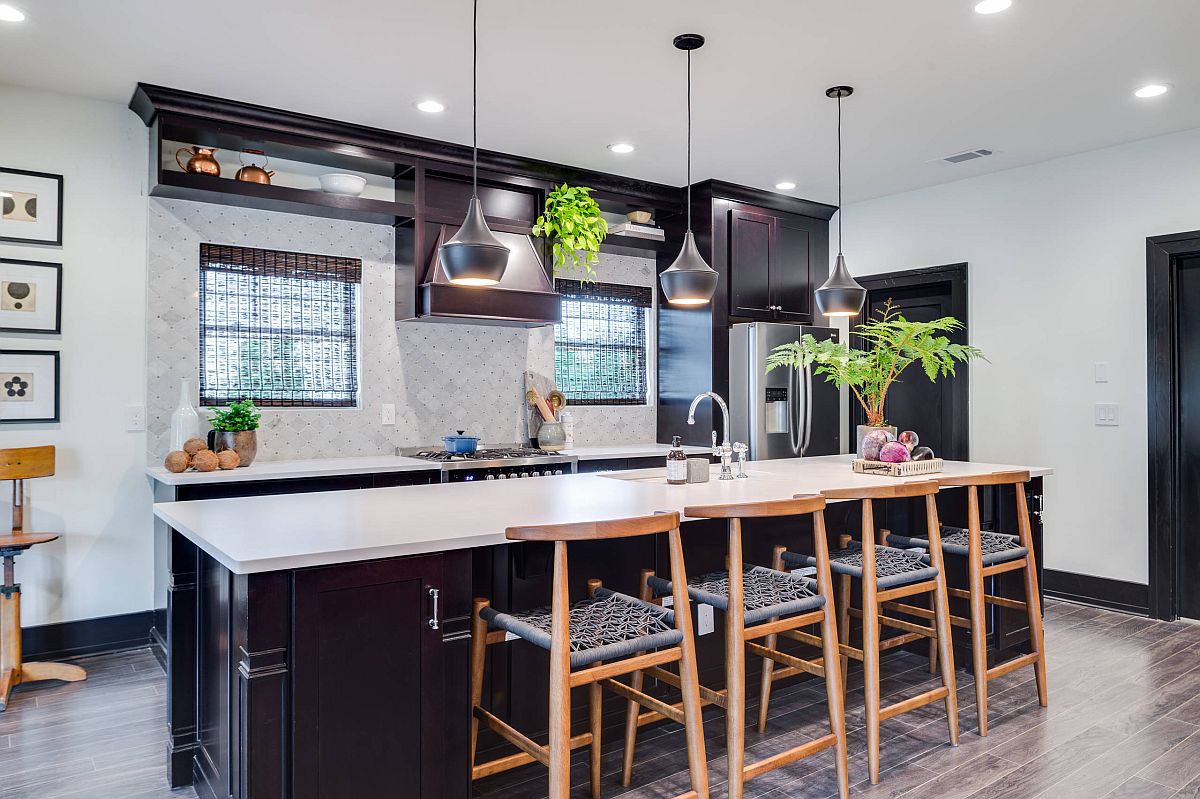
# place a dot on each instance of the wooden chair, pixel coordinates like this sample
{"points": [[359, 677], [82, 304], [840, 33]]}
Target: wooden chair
{"points": [[591, 642], [20, 465], [772, 602], [988, 554], [887, 574]]}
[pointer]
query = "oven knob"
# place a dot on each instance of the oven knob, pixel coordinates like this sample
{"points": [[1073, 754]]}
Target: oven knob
{"points": [[490, 477], [524, 474], [558, 471], [501, 476]]}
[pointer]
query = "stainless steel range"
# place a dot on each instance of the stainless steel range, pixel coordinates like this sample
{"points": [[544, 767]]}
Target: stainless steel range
{"points": [[505, 463]]}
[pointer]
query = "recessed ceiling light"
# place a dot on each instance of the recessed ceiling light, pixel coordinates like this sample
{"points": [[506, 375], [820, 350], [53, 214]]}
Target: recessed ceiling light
{"points": [[1153, 90], [10, 14], [431, 107], [621, 148], [992, 6], [785, 185]]}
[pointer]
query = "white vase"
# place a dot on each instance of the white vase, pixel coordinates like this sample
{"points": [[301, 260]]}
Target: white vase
{"points": [[185, 421]]}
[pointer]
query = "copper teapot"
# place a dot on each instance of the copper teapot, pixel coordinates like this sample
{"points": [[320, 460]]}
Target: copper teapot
{"points": [[202, 161], [252, 173]]}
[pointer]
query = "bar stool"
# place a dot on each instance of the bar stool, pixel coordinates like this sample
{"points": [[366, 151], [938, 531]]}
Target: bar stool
{"points": [[887, 574], [772, 602], [591, 642], [20, 465], [988, 554]]}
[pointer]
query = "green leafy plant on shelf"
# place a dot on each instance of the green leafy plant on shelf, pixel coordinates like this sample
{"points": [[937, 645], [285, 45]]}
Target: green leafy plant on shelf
{"points": [[573, 222], [238, 416], [891, 345]]}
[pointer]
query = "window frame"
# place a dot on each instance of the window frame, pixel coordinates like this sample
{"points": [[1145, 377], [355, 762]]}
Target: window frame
{"points": [[639, 297]]}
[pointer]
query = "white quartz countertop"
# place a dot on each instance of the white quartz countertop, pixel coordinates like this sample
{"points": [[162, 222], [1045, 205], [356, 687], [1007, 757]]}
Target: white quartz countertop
{"points": [[270, 533], [378, 464]]}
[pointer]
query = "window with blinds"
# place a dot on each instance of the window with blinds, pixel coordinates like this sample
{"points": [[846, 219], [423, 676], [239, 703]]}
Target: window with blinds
{"points": [[279, 328], [601, 345]]}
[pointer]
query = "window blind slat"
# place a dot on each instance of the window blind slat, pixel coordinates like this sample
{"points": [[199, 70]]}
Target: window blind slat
{"points": [[600, 345]]}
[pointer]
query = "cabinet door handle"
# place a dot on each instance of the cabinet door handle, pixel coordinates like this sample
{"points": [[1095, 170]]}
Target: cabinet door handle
{"points": [[434, 595]]}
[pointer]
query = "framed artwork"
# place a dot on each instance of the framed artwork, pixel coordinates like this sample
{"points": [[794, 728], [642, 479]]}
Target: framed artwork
{"points": [[31, 205], [30, 296], [28, 386]]}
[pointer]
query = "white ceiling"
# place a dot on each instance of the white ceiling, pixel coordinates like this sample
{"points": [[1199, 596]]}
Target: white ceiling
{"points": [[561, 80]]}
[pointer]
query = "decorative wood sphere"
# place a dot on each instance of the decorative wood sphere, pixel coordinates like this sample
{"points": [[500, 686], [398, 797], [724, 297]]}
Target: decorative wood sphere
{"points": [[177, 461], [228, 459], [194, 445], [205, 461]]}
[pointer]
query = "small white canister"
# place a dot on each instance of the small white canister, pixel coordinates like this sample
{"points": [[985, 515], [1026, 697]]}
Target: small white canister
{"points": [[568, 423]]}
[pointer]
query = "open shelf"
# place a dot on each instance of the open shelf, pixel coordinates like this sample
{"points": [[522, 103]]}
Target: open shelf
{"points": [[227, 191], [638, 243]]}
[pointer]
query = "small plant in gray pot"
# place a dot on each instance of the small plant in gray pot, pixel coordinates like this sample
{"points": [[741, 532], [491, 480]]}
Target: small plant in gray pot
{"points": [[235, 428]]}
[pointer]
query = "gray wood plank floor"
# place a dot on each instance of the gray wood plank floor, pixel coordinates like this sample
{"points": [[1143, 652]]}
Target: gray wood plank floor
{"points": [[1123, 721]]}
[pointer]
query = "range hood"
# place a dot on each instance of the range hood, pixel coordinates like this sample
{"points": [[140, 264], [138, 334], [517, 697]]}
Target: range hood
{"points": [[524, 297]]}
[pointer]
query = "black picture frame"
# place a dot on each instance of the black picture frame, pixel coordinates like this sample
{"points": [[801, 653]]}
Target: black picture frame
{"points": [[58, 240], [49, 266], [53, 354]]}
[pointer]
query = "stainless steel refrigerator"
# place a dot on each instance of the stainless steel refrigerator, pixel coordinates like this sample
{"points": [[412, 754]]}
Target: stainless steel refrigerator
{"points": [[785, 414]]}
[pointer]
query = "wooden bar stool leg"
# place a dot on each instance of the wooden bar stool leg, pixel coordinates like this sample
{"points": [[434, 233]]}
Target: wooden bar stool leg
{"points": [[870, 617], [978, 610], [693, 725], [735, 666], [1033, 605], [10, 634], [633, 709], [595, 716], [479, 630], [834, 688], [943, 645], [560, 680], [768, 665]]}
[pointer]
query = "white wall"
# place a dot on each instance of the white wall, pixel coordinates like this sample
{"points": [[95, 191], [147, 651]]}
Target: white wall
{"points": [[99, 497], [1057, 275]]}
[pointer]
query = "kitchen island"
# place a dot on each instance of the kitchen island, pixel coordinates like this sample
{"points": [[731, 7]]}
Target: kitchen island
{"points": [[317, 643]]}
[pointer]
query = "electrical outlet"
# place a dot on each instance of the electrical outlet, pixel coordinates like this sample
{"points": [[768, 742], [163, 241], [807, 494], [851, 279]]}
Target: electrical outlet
{"points": [[1108, 414], [1101, 371], [704, 619], [388, 414], [135, 418]]}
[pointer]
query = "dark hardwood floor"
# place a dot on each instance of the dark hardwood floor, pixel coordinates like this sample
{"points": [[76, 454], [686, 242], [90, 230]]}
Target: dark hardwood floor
{"points": [[1123, 721]]}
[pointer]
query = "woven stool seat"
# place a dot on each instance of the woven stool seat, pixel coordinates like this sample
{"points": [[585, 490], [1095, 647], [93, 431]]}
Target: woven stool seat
{"points": [[997, 547], [607, 626], [893, 567], [766, 593]]}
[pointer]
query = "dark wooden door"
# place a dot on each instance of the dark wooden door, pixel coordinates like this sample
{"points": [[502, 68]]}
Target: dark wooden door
{"points": [[752, 245], [1187, 314], [938, 412], [368, 681], [791, 270]]}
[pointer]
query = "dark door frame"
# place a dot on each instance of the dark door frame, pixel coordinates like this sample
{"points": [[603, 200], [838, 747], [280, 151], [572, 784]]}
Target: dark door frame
{"points": [[956, 276], [1163, 254]]}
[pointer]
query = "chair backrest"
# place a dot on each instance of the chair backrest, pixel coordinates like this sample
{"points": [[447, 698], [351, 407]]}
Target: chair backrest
{"points": [[24, 463], [797, 506], [993, 479], [893, 491], [587, 531]]}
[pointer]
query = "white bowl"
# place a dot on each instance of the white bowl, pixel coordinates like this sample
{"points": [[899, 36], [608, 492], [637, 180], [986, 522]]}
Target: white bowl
{"points": [[349, 185]]}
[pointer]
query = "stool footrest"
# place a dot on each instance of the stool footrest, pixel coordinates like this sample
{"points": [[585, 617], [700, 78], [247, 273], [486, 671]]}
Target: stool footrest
{"points": [[1012, 665], [920, 700], [760, 767]]}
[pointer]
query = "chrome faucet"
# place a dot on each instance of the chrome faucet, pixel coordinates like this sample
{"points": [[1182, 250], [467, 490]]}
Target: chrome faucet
{"points": [[725, 449]]}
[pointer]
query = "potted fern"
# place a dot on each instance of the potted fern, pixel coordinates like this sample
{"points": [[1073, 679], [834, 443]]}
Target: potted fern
{"points": [[235, 428], [572, 221], [891, 345]]}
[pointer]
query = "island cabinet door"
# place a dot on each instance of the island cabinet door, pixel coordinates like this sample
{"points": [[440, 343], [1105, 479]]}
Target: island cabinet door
{"points": [[367, 687]]}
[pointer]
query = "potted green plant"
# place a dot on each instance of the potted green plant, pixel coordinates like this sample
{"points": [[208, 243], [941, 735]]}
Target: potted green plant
{"points": [[572, 221], [235, 428], [891, 345]]}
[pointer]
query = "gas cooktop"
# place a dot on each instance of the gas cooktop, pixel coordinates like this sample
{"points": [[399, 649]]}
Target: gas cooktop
{"points": [[506, 453]]}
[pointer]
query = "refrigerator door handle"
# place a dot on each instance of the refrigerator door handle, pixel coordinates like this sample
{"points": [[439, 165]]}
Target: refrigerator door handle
{"points": [[807, 410], [796, 392]]}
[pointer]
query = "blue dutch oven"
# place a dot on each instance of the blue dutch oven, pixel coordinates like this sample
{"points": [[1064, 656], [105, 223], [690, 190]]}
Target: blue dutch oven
{"points": [[460, 444]]}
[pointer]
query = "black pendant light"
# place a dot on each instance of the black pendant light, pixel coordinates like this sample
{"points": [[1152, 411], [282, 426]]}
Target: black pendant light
{"points": [[840, 295], [474, 256], [689, 280]]}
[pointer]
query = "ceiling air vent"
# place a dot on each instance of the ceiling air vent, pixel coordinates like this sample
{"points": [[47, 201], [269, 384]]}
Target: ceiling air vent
{"points": [[966, 155]]}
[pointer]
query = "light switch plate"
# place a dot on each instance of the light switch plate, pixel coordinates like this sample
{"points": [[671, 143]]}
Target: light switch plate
{"points": [[1108, 414], [705, 623], [135, 418], [1101, 371], [388, 414]]}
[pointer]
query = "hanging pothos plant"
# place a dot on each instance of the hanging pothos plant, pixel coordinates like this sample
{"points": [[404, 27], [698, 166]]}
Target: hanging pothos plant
{"points": [[573, 222]]}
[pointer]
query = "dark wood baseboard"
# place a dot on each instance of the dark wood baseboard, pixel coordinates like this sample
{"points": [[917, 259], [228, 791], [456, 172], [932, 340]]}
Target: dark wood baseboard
{"points": [[70, 639], [1099, 591]]}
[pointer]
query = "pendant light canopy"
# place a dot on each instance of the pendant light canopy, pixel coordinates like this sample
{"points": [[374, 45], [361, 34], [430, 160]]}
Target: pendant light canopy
{"points": [[840, 295], [474, 256], [689, 280]]}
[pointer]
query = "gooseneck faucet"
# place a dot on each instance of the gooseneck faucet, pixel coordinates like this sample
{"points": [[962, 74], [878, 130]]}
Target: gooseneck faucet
{"points": [[725, 449]]}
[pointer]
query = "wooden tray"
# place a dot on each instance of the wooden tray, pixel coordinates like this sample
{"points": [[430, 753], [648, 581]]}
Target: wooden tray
{"points": [[908, 469]]}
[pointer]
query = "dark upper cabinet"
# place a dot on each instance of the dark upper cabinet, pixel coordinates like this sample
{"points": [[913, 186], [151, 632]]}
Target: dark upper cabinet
{"points": [[771, 255]]}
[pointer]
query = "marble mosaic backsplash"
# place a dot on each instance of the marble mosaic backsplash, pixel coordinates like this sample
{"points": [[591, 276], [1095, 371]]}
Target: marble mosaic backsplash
{"points": [[440, 377]]}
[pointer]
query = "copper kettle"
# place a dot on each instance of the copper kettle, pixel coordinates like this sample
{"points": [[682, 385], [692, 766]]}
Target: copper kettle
{"points": [[202, 161], [252, 173]]}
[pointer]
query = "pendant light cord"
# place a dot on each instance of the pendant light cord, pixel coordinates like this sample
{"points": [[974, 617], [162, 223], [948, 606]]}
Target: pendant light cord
{"points": [[689, 141], [474, 102], [841, 213]]}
